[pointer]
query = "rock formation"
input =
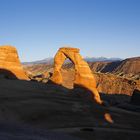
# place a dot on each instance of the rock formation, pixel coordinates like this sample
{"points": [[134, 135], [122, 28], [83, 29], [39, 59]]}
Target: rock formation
{"points": [[129, 66], [83, 74], [112, 84], [10, 65]]}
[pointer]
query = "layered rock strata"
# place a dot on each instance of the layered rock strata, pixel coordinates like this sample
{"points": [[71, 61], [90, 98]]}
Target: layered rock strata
{"points": [[83, 74], [10, 65]]}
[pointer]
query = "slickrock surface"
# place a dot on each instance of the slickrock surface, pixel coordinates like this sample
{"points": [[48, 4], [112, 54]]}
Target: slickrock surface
{"points": [[11, 131], [55, 108], [83, 74], [10, 65]]}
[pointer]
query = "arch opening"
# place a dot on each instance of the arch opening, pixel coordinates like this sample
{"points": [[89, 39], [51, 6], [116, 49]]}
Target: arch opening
{"points": [[68, 73]]}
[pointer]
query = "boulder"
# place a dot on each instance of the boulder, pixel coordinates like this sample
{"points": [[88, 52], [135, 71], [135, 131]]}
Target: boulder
{"points": [[10, 66], [83, 75]]}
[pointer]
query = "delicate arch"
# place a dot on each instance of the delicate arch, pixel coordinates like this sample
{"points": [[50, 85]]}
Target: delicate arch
{"points": [[83, 74]]}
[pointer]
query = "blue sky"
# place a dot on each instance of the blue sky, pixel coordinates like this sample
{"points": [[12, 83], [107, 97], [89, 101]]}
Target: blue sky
{"points": [[37, 28]]}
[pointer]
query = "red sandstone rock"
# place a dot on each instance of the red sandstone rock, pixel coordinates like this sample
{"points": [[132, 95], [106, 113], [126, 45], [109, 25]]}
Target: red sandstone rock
{"points": [[83, 74], [10, 63]]}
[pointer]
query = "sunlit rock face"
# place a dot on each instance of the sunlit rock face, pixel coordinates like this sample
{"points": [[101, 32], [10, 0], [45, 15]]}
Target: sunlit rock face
{"points": [[83, 74], [10, 65]]}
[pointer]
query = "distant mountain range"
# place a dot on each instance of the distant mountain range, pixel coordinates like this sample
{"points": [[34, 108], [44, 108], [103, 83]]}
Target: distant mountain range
{"points": [[88, 59], [43, 61], [101, 59]]}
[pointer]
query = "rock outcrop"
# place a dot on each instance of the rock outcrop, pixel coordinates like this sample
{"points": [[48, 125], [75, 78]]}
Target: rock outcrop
{"points": [[10, 65], [113, 84], [83, 74], [53, 108]]}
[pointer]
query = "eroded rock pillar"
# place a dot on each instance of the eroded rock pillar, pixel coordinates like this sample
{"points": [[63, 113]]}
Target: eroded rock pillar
{"points": [[9, 61], [58, 62]]}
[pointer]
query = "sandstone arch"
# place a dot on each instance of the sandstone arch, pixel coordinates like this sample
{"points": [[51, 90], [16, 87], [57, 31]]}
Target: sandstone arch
{"points": [[9, 61], [83, 74]]}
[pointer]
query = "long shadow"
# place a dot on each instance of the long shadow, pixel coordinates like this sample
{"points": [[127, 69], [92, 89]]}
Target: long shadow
{"points": [[115, 99], [86, 96], [77, 91], [7, 74]]}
